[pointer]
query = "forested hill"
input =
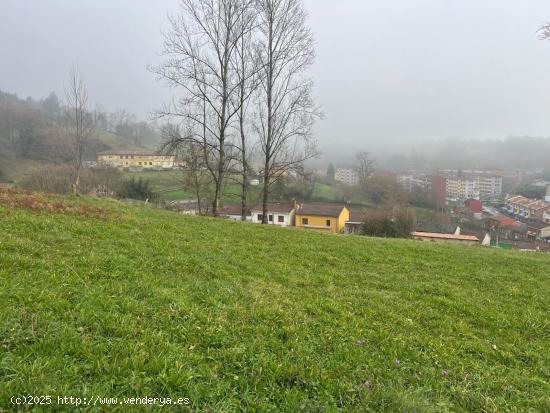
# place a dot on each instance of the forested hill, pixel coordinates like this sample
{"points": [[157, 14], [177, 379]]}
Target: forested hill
{"points": [[34, 130]]}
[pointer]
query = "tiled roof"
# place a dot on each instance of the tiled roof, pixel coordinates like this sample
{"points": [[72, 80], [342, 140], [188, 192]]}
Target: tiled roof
{"points": [[534, 204], [134, 153], [356, 216], [445, 236], [324, 210], [277, 208], [233, 209], [537, 225]]}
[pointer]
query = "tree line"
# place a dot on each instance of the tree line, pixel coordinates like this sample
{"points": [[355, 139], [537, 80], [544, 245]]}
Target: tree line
{"points": [[64, 130]]}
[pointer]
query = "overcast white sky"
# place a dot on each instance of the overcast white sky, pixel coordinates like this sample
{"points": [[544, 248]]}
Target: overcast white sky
{"points": [[388, 73]]}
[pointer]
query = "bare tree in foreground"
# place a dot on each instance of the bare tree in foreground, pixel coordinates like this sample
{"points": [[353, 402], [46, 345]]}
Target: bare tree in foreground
{"points": [[80, 125], [201, 47], [286, 111], [246, 70]]}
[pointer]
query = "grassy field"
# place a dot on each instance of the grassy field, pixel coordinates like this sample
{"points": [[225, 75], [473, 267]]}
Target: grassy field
{"points": [[102, 299], [168, 184]]}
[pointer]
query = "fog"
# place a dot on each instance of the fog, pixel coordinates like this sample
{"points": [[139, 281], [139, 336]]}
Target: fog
{"points": [[390, 76]]}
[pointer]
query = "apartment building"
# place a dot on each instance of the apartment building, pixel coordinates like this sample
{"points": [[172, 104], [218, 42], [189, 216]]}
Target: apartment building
{"points": [[473, 185], [347, 176], [136, 159], [526, 208], [462, 188]]}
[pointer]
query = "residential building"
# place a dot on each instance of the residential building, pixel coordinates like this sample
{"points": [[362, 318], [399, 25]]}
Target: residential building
{"points": [[462, 188], [355, 223], [546, 216], [490, 185], [462, 185], [326, 217], [538, 231], [474, 205], [547, 197], [281, 214], [233, 212], [407, 182], [347, 176], [438, 187], [520, 206], [446, 238], [136, 159]]}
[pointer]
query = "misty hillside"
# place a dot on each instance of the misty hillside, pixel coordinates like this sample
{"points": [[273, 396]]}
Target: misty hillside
{"points": [[32, 132]]}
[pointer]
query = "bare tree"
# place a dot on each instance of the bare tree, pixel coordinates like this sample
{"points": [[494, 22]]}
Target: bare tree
{"points": [[190, 157], [80, 127], [286, 111], [246, 70], [200, 47], [365, 166]]}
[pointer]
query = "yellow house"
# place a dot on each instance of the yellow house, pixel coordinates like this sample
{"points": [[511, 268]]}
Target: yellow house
{"points": [[326, 217], [136, 159]]}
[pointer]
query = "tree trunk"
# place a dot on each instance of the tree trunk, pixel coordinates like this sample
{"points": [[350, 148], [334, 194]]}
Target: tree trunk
{"points": [[265, 198], [76, 184]]}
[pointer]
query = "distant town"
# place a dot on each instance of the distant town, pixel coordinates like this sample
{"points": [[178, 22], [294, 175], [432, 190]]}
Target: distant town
{"points": [[468, 206]]}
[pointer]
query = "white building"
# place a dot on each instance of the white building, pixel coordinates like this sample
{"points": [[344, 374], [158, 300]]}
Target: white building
{"points": [[474, 185], [282, 214], [347, 176]]}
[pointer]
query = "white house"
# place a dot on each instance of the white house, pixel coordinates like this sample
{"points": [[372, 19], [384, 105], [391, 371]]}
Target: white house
{"points": [[281, 214], [233, 212]]}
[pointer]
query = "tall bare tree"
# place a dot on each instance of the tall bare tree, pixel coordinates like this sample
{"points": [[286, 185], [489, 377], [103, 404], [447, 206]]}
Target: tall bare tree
{"points": [[286, 110], [247, 72], [79, 123], [200, 48]]}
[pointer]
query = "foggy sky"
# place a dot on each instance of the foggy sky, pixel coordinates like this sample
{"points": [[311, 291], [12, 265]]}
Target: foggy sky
{"points": [[388, 73]]}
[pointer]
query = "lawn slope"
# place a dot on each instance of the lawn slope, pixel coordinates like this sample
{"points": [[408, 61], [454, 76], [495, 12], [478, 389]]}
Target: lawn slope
{"points": [[102, 299]]}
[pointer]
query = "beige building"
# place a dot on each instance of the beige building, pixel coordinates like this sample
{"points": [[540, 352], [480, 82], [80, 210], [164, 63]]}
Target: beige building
{"points": [[473, 184], [446, 238], [347, 176], [136, 159]]}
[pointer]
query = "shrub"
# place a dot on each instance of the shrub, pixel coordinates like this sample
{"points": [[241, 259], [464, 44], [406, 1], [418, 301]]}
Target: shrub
{"points": [[389, 223], [58, 179], [139, 189]]}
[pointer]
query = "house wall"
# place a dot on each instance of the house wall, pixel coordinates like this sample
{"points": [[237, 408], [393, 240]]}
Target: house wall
{"points": [[446, 241], [337, 224], [137, 161], [288, 218]]}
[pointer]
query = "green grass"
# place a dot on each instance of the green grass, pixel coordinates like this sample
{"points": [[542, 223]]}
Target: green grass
{"points": [[240, 317], [169, 186]]}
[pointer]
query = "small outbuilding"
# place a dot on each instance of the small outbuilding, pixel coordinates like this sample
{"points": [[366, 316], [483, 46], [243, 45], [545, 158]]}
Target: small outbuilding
{"points": [[446, 238]]}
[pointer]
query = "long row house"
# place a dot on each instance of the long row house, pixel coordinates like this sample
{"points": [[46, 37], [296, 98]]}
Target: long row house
{"points": [[534, 213], [333, 218]]}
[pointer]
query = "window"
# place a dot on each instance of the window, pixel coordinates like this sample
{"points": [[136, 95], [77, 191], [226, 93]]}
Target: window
{"points": [[260, 217], [270, 218], [150, 163], [121, 157], [281, 219], [305, 221], [328, 222], [139, 163]]}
